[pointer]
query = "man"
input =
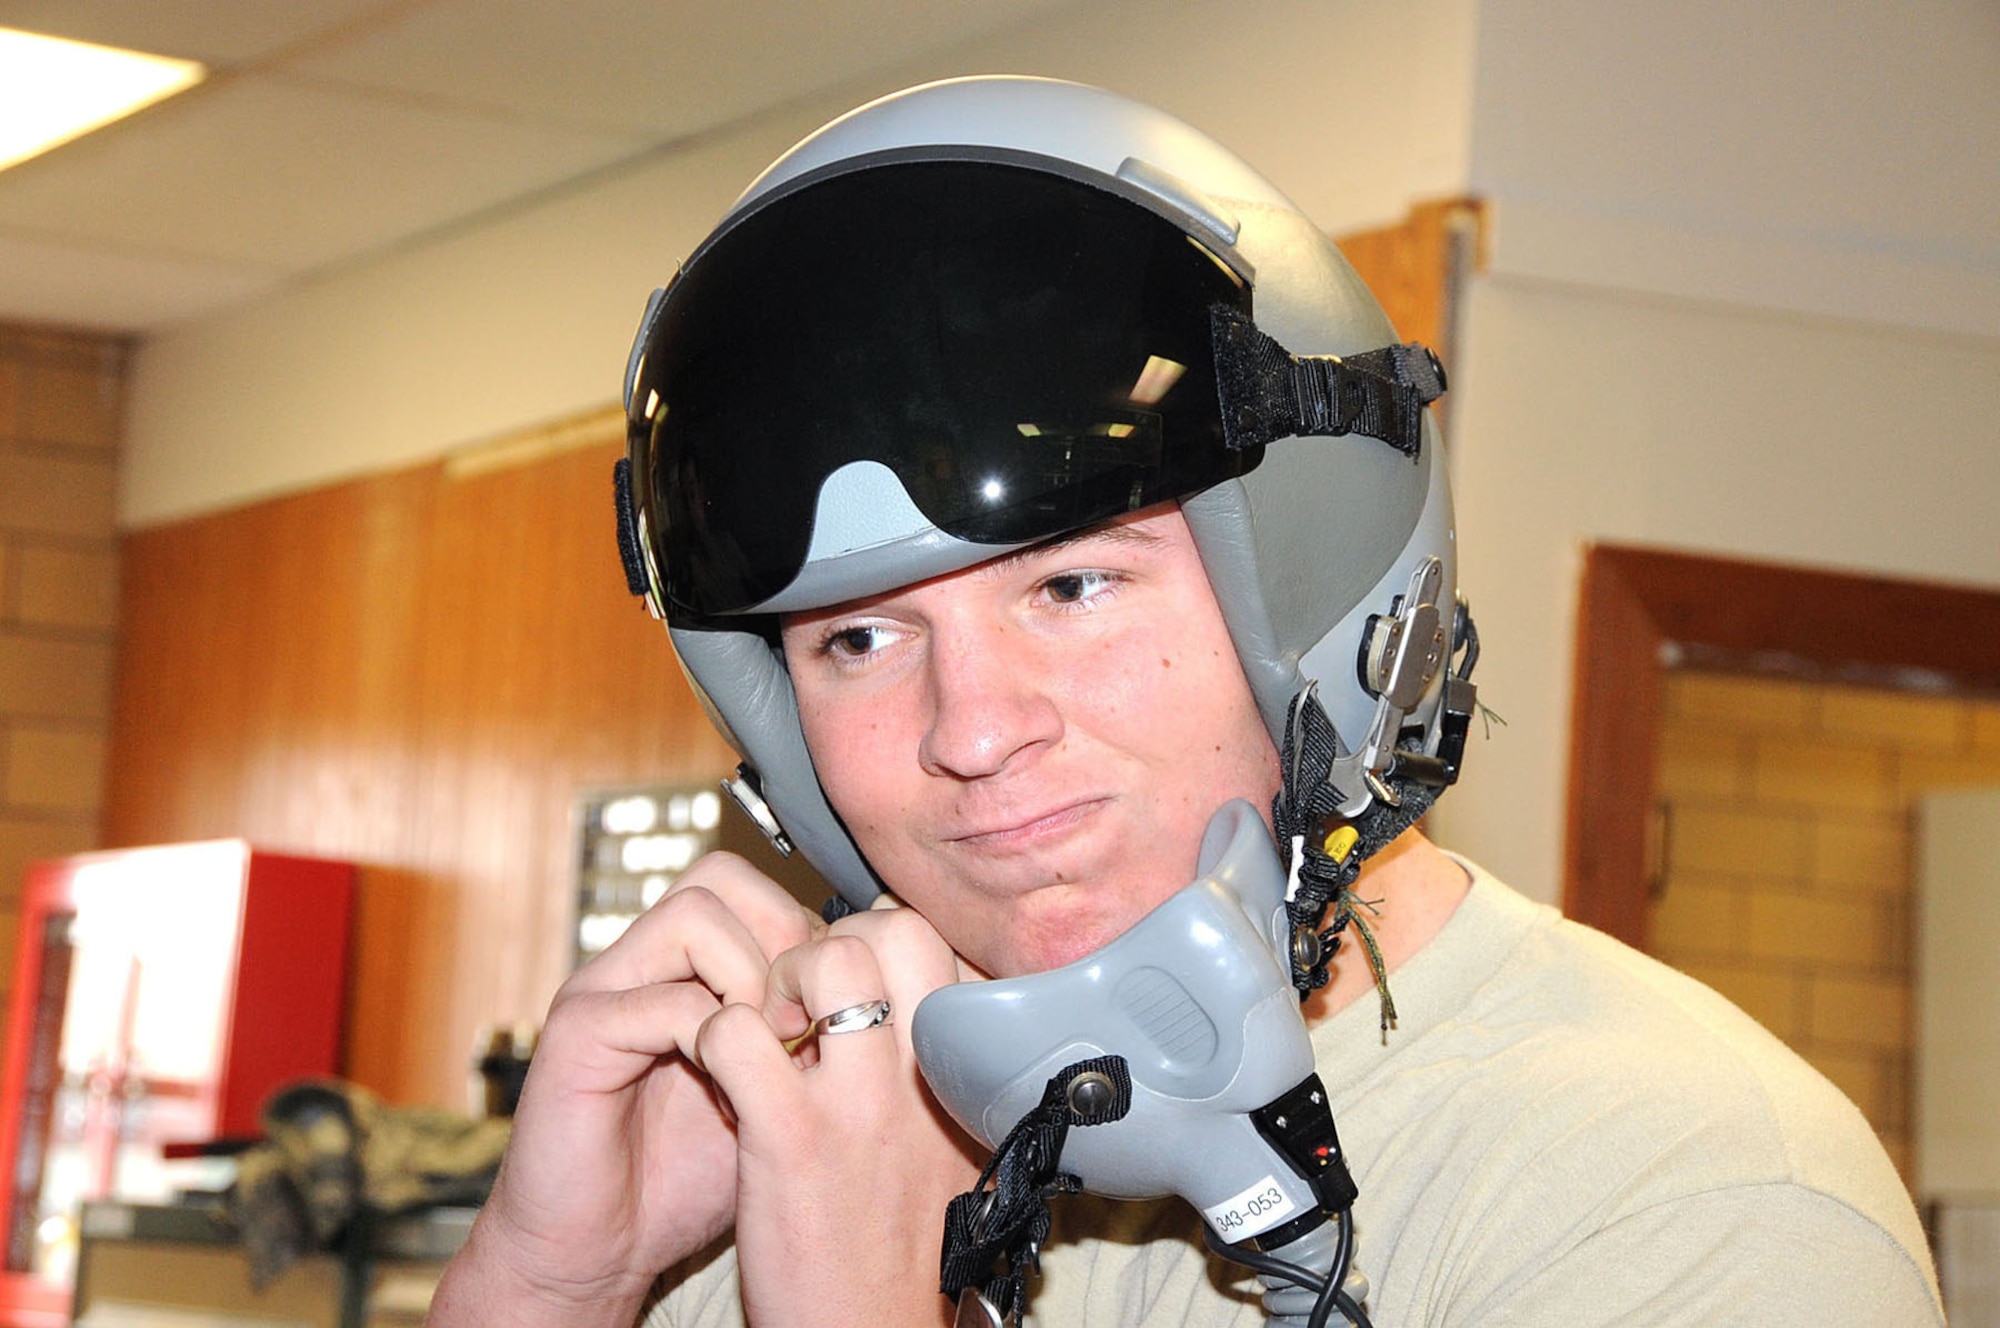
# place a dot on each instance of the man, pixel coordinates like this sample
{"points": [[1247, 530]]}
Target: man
{"points": [[1023, 479]]}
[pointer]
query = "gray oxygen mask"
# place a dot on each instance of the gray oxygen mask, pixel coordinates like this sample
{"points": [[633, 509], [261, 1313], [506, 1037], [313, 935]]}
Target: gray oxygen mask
{"points": [[1196, 1000]]}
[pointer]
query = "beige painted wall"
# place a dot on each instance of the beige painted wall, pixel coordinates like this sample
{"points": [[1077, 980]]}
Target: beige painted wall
{"points": [[1826, 156]]}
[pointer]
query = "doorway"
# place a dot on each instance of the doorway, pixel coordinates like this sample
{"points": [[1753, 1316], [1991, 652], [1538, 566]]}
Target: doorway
{"points": [[1748, 743]]}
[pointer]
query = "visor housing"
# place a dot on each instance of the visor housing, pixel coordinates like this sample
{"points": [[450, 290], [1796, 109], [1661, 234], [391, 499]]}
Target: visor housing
{"points": [[1028, 353]]}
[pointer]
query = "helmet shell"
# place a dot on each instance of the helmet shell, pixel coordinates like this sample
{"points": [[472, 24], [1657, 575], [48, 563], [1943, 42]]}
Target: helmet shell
{"points": [[1300, 551]]}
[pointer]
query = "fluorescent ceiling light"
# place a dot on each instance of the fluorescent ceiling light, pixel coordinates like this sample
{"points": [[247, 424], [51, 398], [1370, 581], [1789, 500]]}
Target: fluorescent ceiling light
{"points": [[53, 90]]}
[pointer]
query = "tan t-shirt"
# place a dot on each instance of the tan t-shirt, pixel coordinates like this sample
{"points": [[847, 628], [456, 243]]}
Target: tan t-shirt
{"points": [[1559, 1132]]}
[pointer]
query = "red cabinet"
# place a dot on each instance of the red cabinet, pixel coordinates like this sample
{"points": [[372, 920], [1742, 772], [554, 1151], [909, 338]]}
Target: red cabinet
{"points": [[159, 994]]}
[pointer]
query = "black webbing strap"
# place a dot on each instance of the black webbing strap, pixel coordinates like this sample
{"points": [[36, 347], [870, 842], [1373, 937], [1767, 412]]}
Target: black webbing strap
{"points": [[993, 1233], [629, 552], [1333, 846], [1269, 393]]}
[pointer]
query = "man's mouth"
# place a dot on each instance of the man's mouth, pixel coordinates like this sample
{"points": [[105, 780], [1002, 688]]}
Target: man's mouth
{"points": [[1019, 830]]}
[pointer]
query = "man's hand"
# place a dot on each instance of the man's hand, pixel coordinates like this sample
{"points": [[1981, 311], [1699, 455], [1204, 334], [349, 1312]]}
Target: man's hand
{"points": [[845, 1163], [623, 1161]]}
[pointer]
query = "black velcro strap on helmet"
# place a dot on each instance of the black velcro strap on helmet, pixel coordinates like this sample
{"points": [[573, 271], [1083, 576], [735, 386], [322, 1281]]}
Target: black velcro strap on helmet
{"points": [[1268, 393]]}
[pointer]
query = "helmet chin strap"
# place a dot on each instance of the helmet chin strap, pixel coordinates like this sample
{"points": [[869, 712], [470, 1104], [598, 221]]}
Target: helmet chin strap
{"points": [[1336, 808], [1324, 853]]}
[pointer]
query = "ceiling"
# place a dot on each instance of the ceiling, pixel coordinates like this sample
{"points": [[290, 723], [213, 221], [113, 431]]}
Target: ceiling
{"points": [[329, 130]]}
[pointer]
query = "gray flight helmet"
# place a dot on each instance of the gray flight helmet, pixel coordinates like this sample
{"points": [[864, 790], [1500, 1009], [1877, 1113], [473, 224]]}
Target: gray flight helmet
{"points": [[1306, 552]]}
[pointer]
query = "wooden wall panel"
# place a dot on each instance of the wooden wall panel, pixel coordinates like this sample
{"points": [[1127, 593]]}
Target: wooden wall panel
{"points": [[546, 678], [418, 671], [266, 688]]}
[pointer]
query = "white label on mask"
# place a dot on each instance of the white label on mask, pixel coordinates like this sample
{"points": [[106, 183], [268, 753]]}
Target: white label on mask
{"points": [[1252, 1212]]}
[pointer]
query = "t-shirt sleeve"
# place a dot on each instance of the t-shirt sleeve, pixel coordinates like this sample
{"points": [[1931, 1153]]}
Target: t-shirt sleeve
{"points": [[700, 1293]]}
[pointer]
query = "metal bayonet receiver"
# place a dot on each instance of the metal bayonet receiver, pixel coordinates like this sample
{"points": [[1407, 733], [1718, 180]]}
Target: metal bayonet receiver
{"points": [[1401, 655]]}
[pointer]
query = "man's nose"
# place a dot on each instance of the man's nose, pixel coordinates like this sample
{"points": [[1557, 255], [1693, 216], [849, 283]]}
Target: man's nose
{"points": [[989, 704]]}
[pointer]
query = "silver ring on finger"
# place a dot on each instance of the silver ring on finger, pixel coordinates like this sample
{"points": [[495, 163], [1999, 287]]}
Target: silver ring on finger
{"points": [[852, 1019]]}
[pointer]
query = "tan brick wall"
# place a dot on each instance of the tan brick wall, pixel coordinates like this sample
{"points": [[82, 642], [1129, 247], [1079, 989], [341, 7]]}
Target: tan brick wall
{"points": [[61, 400], [1785, 878]]}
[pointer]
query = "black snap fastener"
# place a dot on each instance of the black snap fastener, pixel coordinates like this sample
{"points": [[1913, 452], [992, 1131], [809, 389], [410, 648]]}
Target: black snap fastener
{"points": [[1091, 1094]]}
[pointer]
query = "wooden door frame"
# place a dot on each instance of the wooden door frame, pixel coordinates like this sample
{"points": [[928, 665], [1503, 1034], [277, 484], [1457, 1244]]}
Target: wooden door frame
{"points": [[1642, 611]]}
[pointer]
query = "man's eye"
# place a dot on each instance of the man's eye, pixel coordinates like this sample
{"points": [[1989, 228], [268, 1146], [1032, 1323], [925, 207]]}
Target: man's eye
{"points": [[854, 641], [1075, 587]]}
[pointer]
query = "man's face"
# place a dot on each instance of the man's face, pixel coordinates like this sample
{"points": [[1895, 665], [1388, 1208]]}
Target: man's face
{"points": [[1027, 751]]}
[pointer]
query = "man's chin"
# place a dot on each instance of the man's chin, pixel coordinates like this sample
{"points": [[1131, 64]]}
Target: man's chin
{"points": [[1057, 938]]}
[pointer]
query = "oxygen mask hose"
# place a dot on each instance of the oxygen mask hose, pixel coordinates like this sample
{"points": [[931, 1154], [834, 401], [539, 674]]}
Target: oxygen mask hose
{"points": [[1295, 1295], [1181, 1046]]}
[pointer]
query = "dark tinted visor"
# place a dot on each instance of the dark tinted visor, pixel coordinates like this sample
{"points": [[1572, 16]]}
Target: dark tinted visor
{"points": [[1028, 354]]}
